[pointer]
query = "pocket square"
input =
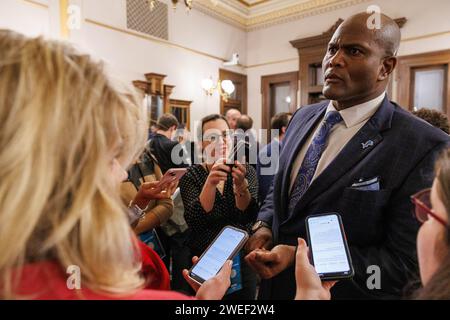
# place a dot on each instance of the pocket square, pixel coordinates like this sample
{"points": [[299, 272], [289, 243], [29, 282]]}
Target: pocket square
{"points": [[367, 185]]}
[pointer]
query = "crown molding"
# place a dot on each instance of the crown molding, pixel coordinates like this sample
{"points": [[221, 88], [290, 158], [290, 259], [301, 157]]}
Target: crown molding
{"points": [[37, 3], [252, 4], [236, 13]]}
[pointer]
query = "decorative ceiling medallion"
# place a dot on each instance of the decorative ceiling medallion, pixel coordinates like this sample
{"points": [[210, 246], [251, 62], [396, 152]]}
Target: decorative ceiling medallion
{"points": [[250, 4], [251, 22]]}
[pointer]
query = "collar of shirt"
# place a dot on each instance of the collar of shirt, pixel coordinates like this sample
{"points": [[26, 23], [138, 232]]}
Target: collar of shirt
{"points": [[358, 113]]}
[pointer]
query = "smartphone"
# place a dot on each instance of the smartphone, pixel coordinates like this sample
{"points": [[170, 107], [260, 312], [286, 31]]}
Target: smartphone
{"points": [[171, 175], [328, 247], [224, 247], [238, 153]]}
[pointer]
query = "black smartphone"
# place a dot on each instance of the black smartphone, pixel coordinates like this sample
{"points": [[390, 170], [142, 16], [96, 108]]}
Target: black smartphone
{"points": [[328, 247], [224, 247], [238, 153]]}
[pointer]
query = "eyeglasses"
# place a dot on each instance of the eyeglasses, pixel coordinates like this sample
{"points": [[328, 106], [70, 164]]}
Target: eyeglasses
{"points": [[214, 137], [422, 209]]}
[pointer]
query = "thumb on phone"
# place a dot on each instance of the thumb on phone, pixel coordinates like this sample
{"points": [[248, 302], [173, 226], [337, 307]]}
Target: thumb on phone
{"points": [[216, 287], [223, 278], [302, 255], [225, 272]]}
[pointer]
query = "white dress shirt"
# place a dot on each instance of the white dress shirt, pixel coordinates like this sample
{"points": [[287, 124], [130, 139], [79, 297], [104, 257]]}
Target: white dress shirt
{"points": [[354, 119]]}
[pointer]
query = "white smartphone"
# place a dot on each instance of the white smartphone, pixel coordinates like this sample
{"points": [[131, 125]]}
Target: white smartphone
{"points": [[224, 247], [328, 246]]}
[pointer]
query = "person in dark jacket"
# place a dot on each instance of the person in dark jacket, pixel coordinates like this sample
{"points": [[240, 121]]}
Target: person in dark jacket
{"points": [[359, 155]]}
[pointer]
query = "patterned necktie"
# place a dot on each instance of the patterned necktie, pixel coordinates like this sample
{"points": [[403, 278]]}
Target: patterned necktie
{"points": [[312, 157]]}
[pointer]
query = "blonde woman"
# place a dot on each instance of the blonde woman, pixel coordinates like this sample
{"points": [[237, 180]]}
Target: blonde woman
{"points": [[66, 139]]}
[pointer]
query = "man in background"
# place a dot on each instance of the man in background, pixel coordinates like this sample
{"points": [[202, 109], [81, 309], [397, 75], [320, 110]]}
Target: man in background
{"points": [[162, 145], [232, 116]]}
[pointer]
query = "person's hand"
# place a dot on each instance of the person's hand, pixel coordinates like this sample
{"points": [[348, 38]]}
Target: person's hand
{"points": [[239, 172], [270, 263], [309, 285], [214, 288], [261, 239], [219, 172], [152, 191], [171, 187]]}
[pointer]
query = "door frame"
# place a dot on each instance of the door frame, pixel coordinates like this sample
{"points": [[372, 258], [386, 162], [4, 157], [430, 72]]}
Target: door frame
{"points": [[266, 83], [404, 75], [236, 78]]}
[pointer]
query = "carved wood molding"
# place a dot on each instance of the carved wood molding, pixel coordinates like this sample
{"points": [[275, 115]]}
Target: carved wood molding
{"points": [[154, 86], [181, 103]]}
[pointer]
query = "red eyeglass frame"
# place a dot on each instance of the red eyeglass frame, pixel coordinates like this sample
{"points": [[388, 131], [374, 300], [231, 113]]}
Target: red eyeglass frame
{"points": [[415, 199]]}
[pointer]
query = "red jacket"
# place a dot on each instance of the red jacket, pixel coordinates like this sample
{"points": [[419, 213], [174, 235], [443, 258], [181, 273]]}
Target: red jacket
{"points": [[154, 269], [48, 281]]}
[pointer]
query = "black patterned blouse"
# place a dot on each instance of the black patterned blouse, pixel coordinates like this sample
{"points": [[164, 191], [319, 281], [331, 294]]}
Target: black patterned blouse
{"points": [[206, 226]]}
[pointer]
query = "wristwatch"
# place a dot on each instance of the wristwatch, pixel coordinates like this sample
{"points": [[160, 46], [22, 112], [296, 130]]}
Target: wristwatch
{"points": [[135, 212], [260, 224]]}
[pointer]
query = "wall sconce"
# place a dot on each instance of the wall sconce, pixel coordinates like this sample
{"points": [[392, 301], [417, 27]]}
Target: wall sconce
{"points": [[225, 88]]}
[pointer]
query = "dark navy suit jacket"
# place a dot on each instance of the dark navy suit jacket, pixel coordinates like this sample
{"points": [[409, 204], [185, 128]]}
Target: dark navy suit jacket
{"points": [[265, 180], [380, 227]]}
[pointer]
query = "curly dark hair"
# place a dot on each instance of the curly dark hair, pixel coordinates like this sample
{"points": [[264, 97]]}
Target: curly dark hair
{"points": [[435, 118]]}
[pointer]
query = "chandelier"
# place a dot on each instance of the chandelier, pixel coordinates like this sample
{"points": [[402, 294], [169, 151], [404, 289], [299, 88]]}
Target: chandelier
{"points": [[187, 3]]}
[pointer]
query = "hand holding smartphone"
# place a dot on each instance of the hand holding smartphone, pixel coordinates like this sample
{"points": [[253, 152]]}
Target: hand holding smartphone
{"points": [[238, 153], [172, 175], [328, 247], [224, 247]]}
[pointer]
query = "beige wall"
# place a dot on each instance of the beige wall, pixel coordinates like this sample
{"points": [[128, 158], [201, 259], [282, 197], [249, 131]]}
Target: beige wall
{"points": [[197, 46], [198, 43], [25, 17]]}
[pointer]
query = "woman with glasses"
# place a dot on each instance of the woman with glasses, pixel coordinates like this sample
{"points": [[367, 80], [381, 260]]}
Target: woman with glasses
{"points": [[216, 195], [432, 210]]}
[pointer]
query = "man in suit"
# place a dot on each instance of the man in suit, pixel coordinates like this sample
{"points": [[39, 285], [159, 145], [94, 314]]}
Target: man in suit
{"points": [[267, 164], [359, 155]]}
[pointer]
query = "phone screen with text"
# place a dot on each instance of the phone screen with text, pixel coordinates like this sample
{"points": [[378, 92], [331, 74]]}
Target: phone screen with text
{"points": [[327, 245], [218, 253]]}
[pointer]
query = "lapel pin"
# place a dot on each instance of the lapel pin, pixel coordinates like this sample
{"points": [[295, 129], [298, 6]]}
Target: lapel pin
{"points": [[367, 144]]}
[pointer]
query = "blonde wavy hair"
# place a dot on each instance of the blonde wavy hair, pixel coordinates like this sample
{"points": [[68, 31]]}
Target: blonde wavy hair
{"points": [[62, 124]]}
